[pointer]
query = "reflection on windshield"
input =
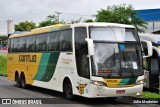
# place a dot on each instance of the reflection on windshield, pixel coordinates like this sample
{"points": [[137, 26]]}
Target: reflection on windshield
{"points": [[113, 34], [117, 60]]}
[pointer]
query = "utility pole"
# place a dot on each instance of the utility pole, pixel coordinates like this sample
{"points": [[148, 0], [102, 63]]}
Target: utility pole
{"points": [[58, 13]]}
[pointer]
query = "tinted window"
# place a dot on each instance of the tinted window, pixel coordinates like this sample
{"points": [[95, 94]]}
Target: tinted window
{"points": [[81, 51], [16, 45], [23, 41], [145, 63], [154, 63], [41, 42], [9, 45], [31, 43], [65, 40], [154, 66], [53, 41]]}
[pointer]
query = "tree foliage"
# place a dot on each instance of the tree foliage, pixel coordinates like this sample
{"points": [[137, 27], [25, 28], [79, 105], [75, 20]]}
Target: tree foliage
{"points": [[25, 26], [3, 40], [121, 14], [50, 20], [47, 23], [89, 20]]}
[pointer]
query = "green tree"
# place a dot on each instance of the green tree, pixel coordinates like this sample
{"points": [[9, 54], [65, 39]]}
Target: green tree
{"points": [[3, 37], [89, 20], [50, 20], [25, 26], [3, 40], [121, 14], [47, 23]]}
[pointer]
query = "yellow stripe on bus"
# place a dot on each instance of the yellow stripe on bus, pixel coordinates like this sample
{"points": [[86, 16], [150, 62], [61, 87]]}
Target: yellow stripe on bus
{"points": [[112, 82]]}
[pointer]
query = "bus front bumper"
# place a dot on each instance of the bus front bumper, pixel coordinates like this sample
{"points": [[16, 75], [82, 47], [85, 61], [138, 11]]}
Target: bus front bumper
{"points": [[103, 91]]}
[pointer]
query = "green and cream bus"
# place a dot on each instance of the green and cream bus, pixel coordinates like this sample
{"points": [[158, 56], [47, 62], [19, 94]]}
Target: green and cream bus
{"points": [[85, 59]]}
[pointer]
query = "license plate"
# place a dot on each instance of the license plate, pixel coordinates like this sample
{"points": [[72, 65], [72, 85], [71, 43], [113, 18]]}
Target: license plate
{"points": [[120, 91]]}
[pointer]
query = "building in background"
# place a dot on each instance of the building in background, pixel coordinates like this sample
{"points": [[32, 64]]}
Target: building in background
{"points": [[152, 17]]}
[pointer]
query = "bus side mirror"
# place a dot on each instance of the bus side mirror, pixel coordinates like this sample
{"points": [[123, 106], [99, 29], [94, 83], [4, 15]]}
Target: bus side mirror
{"points": [[90, 46], [147, 45]]}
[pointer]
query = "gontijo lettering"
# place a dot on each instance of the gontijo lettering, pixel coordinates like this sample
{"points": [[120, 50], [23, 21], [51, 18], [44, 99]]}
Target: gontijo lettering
{"points": [[27, 58]]}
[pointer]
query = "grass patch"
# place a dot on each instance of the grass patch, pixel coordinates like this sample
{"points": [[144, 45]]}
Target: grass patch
{"points": [[146, 94], [3, 65]]}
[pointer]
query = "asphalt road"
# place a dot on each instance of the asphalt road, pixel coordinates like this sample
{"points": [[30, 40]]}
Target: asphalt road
{"points": [[3, 52], [8, 89]]}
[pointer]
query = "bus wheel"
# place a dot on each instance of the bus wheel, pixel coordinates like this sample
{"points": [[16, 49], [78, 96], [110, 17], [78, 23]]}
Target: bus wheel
{"points": [[68, 90], [17, 79], [112, 98], [23, 81]]}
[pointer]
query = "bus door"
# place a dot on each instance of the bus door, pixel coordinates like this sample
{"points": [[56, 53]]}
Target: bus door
{"points": [[82, 62], [154, 69]]}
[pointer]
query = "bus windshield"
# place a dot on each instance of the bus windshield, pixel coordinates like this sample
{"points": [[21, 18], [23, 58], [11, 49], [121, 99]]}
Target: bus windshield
{"points": [[116, 59]]}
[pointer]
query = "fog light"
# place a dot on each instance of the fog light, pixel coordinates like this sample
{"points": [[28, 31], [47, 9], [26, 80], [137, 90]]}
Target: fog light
{"points": [[138, 94]]}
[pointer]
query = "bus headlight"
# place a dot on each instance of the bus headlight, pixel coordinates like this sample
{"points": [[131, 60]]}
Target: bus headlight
{"points": [[139, 82], [99, 83]]}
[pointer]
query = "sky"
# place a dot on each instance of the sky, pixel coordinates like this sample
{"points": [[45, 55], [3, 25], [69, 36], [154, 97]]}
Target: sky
{"points": [[37, 10]]}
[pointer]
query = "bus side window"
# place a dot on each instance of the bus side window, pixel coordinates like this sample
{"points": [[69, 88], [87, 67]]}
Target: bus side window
{"points": [[9, 46], [65, 40], [31, 43], [146, 61], [23, 41], [53, 41], [81, 52], [41, 42], [16, 44]]}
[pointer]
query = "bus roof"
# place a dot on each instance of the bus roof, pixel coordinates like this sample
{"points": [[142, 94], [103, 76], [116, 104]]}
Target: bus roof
{"points": [[154, 38], [40, 30], [67, 26], [103, 24]]}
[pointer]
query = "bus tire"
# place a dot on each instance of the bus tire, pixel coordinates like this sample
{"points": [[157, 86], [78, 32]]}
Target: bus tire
{"points": [[17, 80], [68, 90], [23, 81], [112, 98]]}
